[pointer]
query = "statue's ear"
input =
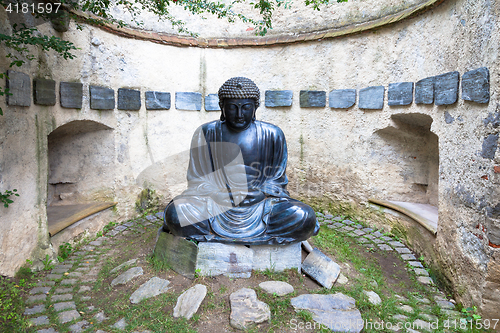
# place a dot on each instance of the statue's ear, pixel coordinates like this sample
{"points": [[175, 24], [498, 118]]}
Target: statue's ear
{"points": [[222, 117]]}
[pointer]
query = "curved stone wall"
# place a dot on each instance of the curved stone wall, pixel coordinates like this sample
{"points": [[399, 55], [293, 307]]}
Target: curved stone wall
{"points": [[340, 153]]}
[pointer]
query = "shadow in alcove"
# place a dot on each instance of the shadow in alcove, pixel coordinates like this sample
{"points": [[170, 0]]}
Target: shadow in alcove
{"points": [[81, 163], [410, 151]]}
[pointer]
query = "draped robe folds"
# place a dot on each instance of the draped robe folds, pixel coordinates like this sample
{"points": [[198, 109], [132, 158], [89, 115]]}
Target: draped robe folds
{"points": [[217, 169]]}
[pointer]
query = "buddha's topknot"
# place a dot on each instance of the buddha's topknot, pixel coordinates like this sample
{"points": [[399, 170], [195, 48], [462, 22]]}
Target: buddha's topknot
{"points": [[239, 87]]}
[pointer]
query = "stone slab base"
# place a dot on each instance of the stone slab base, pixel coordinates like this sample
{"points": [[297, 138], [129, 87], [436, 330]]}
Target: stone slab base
{"points": [[235, 261]]}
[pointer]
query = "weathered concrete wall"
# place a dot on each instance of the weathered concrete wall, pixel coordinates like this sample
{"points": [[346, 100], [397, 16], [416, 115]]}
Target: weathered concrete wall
{"points": [[346, 154]]}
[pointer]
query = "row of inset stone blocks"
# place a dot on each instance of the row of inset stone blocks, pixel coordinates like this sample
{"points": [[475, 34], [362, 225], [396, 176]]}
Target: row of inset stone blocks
{"points": [[440, 90]]}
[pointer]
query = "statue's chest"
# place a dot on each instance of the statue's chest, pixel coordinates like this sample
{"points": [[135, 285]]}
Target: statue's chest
{"points": [[245, 142]]}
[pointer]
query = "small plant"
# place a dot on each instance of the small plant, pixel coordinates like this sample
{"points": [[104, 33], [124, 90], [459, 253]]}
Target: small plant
{"points": [[99, 234], [4, 197], [11, 307], [109, 226], [222, 289], [64, 251], [471, 313], [47, 263]]}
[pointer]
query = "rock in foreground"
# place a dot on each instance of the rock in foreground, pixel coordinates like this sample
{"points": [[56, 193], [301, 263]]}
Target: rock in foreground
{"points": [[337, 311], [247, 310]]}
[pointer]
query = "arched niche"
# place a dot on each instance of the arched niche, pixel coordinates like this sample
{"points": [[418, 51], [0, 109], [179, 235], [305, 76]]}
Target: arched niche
{"points": [[408, 152], [81, 157]]}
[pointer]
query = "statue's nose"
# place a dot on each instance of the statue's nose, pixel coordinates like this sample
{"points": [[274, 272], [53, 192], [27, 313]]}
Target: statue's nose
{"points": [[240, 112]]}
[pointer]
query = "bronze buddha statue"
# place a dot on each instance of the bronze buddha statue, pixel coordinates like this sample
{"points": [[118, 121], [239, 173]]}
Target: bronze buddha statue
{"points": [[237, 179]]}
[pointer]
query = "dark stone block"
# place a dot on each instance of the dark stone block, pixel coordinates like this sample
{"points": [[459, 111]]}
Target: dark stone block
{"points": [[312, 99], [371, 98], [71, 94], [276, 98], [212, 102], [494, 119], [446, 88], [424, 91], [342, 98], [190, 101], [19, 85], [400, 93], [102, 98], [490, 145], [129, 99], [476, 85], [178, 253], [44, 92], [448, 118], [156, 100]]}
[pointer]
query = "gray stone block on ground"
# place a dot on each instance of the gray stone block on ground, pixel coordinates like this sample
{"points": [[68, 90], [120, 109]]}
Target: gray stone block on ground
{"points": [[125, 264], [120, 324], [81, 326], [384, 247], [489, 148], [47, 330], [373, 297], [40, 290], [178, 253], [36, 298], [129, 99], [277, 257], [154, 287], [443, 304], [102, 98], [156, 100], [64, 306], [402, 250], [19, 85], [416, 264], [44, 92], [476, 85], [127, 276], [306, 246], [69, 282], [425, 280], [312, 98], [446, 88], [342, 98], [100, 317], [71, 94], [277, 98], [190, 101], [223, 259], [42, 320], [421, 271], [189, 301], [400, 93], [321, 268], [279, 288], [68, 316], [371, 98], [408, 257], [34, 310], [247, 310], [396, 244], [62, 297], [424, 91], [336, 311], [212, 102]]}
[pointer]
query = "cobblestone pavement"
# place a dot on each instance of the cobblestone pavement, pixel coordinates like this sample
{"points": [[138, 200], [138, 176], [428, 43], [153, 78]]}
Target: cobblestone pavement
{"points": [[61, 297]]}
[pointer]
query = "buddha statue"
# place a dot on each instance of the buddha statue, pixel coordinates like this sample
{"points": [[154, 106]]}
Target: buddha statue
{"points": [[237, 179]]}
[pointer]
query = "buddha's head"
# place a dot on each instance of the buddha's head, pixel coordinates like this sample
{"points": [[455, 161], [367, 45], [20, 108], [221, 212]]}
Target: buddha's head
{"points": [[238, 99]]}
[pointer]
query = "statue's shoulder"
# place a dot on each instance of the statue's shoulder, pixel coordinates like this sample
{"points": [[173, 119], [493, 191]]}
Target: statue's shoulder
{"points": [[209, 127], [270, 128]]}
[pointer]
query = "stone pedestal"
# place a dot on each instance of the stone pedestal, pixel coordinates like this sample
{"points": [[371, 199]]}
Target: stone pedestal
{"points": [[235, 261]]}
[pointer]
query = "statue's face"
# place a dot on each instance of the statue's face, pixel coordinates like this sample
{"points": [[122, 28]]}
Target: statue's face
{"points": [[239, 112]]}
